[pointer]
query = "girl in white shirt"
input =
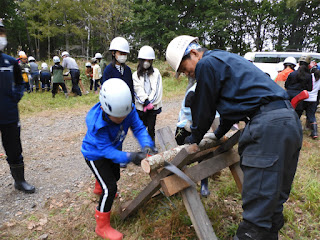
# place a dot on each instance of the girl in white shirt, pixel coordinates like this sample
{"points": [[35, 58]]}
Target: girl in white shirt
{"points": [[147, 84]]}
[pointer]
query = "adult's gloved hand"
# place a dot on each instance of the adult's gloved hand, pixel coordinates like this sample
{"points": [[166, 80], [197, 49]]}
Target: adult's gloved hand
{"points": [[137, 157], [209, 139]]}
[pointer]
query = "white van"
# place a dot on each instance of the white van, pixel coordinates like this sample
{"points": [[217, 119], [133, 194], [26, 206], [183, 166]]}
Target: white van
{"points": [[268, 61]]}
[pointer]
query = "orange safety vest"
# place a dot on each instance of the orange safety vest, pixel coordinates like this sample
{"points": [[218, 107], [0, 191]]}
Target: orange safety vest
{"points": [[283, 75]]}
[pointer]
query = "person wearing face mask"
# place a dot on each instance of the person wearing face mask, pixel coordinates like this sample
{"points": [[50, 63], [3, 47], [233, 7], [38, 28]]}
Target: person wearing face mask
{"points": [[119, 48], [147, 83], [11, 91]]}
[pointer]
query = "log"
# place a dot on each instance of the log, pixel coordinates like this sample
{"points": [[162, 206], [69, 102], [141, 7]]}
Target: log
{"points": [[154, 162], [157, 161]]}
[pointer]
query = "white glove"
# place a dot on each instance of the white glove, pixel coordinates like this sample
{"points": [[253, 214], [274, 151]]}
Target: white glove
{"points": [[26, 70], [209, 140], [211, 136]]}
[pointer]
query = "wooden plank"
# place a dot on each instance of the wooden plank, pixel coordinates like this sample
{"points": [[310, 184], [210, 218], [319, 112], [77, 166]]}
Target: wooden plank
{"points": [[180, 160], [237, 175], [166, 139], [198, 215], [173, 184], [192, 202]]}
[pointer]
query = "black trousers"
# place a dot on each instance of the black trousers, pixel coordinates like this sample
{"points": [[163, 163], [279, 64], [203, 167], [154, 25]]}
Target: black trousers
{"points": [[149, 120], [55, 87], [10, 134], [107, 174], [75, 76]]}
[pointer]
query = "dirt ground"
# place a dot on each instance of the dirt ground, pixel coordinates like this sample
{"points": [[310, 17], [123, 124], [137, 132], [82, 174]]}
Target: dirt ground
{"points": [[51, 144]]}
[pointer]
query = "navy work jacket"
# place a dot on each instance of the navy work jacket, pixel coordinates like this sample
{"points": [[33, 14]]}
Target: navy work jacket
{"points": [[11, 89], [233, 86]]}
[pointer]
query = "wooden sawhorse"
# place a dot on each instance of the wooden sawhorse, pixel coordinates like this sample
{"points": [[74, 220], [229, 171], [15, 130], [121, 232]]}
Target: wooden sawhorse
{"points": [[213, 160]]}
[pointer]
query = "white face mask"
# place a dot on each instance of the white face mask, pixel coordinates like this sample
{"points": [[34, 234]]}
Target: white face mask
{"points": [[3, 43], [146, 64], [122, 58]]}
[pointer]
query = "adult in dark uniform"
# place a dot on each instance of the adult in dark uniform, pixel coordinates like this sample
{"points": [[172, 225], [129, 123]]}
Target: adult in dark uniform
{"points": [[271, 141], [11, 91]]}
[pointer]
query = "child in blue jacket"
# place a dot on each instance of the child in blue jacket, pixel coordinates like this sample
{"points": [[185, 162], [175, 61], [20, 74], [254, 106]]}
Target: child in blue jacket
{"points": [[108, 123]]}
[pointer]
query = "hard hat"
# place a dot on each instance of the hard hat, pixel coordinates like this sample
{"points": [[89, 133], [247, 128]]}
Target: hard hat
{"points": [[23, 56], [31, 59], [176, 49], [146, 52], [305, 58], [98, 55], [88, 64], [65, 53], [249, 56], [1, 24], [115, 98], [44, 66], [56, 59], [119, 44], [21, 53], [290, 61]]}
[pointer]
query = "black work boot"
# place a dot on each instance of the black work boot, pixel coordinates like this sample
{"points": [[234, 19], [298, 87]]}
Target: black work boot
{"points": [[249, 231], [204, 191], [314, 130], [17, 172]]}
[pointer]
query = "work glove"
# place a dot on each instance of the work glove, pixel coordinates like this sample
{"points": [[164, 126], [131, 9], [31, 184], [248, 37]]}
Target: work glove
{"points": [[148, 107], [137, 157], [209, 139]]}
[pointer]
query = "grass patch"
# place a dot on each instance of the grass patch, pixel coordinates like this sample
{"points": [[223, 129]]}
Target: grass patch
{"points": [[43, 102]]}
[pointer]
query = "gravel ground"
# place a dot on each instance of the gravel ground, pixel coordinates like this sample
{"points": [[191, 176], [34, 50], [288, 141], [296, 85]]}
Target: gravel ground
{"points": [[51, 144]]}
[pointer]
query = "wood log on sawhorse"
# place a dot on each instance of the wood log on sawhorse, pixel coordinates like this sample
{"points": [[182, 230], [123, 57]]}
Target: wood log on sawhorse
{"points": [[173, 184], [190, 196]]}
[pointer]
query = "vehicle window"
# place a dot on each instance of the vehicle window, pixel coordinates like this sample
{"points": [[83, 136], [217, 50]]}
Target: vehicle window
{"points": [[266, 58]]}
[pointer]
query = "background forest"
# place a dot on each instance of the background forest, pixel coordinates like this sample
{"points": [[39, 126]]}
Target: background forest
{"points": [[44, 28]]}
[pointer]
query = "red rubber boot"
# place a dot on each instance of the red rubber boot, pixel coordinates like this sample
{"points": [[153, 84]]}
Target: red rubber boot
{"points": [[103, 228], [97, 188]]}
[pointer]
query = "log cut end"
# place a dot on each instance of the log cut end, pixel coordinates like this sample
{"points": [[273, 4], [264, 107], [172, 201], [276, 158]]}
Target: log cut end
{"points": [[145, 166]]}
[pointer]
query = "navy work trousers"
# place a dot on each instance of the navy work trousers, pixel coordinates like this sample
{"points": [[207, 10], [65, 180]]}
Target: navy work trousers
{"points": [[75, 76], [10, 134], [269, 149]]}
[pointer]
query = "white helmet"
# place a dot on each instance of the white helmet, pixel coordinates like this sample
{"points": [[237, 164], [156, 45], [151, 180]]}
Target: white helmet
{"points": [[44, 66], [119, 44], [146, 52], [65, 53], [88, 64], [56, 59], [31, 59], [21, 53], [98, 55], [115, 98], [249, 56], [176, 49], [290, 61]]}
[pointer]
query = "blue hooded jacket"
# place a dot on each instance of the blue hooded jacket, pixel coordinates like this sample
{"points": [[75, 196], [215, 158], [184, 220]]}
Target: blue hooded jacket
{"points": [[104, 138]]}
